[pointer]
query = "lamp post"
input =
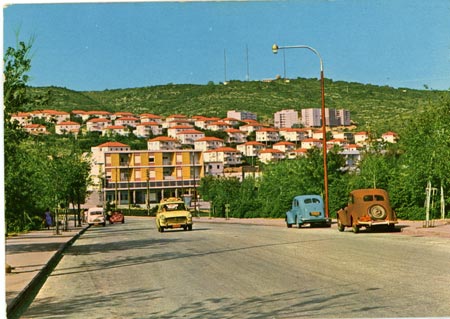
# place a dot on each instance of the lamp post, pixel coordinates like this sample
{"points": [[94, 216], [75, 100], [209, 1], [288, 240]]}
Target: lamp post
{"points": [[275, 49]]}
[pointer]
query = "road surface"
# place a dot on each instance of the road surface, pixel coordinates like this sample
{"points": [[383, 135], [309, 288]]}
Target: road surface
{"points": [[242, 271]]}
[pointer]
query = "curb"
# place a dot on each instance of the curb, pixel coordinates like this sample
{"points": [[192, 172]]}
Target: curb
{"points": [[37, 282]]}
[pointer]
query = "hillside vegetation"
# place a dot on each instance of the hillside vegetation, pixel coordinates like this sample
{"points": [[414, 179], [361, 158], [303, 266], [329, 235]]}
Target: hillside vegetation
{"points": [[375, 108]]}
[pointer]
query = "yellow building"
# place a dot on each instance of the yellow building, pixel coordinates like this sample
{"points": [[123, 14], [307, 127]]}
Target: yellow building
{"points": [[144, 177]]}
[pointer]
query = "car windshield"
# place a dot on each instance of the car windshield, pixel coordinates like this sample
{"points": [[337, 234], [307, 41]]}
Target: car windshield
{"points": [[175, 206]]}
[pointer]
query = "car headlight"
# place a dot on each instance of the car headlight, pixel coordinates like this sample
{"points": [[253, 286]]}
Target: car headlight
{"points": [[162, 217], [189, 216]]}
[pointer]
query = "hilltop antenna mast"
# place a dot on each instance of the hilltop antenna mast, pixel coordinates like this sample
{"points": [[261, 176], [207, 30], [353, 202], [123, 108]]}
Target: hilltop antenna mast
{"points": [[248, 74], [225, 66]]}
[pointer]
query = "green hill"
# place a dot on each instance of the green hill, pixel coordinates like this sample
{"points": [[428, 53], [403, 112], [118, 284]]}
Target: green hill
{"points": [[377, 108]]}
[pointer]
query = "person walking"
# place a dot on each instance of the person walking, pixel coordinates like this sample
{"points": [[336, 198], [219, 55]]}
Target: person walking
{"points": [[48, 218]]}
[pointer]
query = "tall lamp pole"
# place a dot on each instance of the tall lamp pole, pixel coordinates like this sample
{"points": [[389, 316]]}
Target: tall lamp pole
{"points": [[275, 49]]}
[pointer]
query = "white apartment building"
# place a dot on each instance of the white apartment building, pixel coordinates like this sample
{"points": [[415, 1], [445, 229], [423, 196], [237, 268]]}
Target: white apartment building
{"points": [[251, 148], [208, 143], [226, 155], [285, 119], [163, 143], [188, 137], [313, 117], [293, 134], [268, 134], [242, 115], [67, 127], [145, 129]]}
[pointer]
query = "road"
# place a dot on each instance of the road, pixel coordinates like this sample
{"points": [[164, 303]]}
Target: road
{"points": [[243, 271]]}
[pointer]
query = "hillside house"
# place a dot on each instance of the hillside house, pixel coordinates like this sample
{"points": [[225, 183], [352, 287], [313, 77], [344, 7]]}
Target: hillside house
{"points": [[309, 143], [127, 121], [208, 143], [390, 137], [188, 137], [284, 146], [218, 126], [251, 148], [226, 155], [173, 131], [270, 155], [268, 135], [146, 129], [163, 143], [236, 136], [35, 129], [97, 124], [22, 118], [361, 138], [116, 130], [293, 134], [67, 127], [147, 117]]}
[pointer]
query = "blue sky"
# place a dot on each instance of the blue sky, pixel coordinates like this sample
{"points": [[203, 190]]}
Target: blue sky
{"points": [[97, 46]]}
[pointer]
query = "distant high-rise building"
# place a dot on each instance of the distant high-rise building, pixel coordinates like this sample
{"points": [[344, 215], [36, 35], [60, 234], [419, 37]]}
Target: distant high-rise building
{"points": [[313, 117], [343, 117], [241, 115], [285, 118]]}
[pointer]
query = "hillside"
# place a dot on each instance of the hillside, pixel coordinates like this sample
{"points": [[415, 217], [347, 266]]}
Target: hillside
{"points": [[377, 108]]}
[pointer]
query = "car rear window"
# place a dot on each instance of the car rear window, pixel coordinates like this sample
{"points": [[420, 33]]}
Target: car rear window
{"points": [[312, 201], [95, 213], [370, 198]]}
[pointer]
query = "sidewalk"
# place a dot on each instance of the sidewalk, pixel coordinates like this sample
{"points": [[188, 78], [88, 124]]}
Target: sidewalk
{"points": [[32, 256], [439, 228]]}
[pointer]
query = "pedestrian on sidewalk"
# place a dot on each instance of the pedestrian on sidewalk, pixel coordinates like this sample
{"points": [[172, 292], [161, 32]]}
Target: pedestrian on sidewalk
{"points": [[48, 218]]}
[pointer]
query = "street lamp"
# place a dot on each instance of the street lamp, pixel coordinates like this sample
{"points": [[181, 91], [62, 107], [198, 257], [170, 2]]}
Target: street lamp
{"points": [[275, 49]]}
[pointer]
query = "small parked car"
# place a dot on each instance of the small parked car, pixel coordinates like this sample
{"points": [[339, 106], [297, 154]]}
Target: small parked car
{"points": [[172, 213], [367, 208], [116, 217], [95, 216], [307, 209]]}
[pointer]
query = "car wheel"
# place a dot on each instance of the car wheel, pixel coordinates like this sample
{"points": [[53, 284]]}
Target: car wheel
{"points": [[377, 212], [123, 220], [104, 224], [160, 229], [189, 227], [341, 227], [355, 228]]}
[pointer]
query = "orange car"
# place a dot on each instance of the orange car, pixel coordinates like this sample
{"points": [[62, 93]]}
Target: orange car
{"points": [[367, 208], [116, 217]]}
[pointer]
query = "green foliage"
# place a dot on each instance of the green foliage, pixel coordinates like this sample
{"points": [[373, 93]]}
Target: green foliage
{"points": [[375, 108], [39, 172]]}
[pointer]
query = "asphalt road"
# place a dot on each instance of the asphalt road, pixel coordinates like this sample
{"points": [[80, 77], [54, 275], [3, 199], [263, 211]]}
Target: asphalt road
{"points": [[243, 271]]}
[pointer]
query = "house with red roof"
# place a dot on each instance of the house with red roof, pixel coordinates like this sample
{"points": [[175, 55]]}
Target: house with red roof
{"points": [[271, 155], [112, 130], [251, 148], [226, 155], [208, 143], [23, 118], [218, 126], [127, 121], [361, 138], [173, 131], [35, 129], [188, 137], [284, 146], [67, 127], [162, 143], [148, 117], [97, 124], [236, 136], [293, 134], [268, 134], [390, 137], [146, 129], [309, 143]]}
